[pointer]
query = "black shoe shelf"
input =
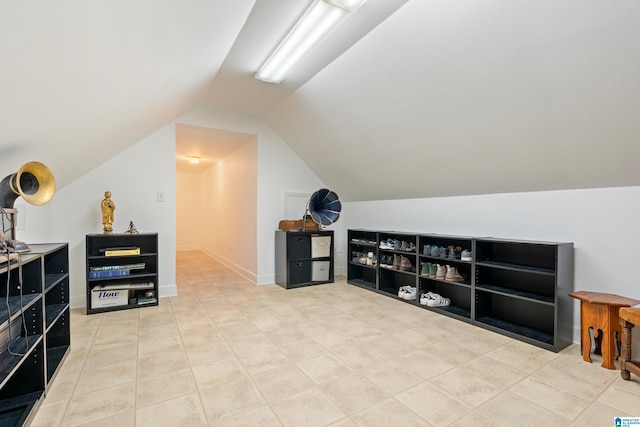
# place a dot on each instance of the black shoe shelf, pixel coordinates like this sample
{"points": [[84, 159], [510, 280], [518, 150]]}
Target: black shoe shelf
{"points": [[516, 288]]}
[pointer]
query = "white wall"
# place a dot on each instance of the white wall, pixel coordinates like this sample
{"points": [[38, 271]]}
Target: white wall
{"points": [[602, 224], [134, 176], [189, 203], [229, 223], [279, 171]]}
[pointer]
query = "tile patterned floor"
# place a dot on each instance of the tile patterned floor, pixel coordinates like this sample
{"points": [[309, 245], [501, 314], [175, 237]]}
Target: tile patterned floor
{"points": [[229, 353]]}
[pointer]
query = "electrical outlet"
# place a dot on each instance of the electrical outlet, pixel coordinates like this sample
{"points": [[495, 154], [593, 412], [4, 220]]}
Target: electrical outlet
{"points": [[160, 196]]}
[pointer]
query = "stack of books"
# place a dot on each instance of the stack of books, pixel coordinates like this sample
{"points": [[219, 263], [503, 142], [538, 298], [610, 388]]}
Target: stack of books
{"points": [[114, 270]]}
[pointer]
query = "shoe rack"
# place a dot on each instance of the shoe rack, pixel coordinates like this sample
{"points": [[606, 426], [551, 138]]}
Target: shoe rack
{"points": [[513, 287]]}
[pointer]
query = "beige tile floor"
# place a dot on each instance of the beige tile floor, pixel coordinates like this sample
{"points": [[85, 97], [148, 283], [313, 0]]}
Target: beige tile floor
{"points": [[229, 353]]}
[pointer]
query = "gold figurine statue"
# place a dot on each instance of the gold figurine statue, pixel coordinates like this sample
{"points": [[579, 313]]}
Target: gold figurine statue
{"points": [[108, 207], [132, 229]]}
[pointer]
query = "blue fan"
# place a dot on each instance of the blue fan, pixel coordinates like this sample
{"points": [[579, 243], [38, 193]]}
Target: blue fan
{"points": [[324, 207]]}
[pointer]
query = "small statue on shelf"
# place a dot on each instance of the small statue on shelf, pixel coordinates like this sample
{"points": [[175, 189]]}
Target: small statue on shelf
{"points": [[132, 229], [108, 206]]}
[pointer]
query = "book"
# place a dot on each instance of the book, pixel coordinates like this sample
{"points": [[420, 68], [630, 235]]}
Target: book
{"points": [[146, 300], [109, 273], [119, 252], [124, 286], [137, 266]]}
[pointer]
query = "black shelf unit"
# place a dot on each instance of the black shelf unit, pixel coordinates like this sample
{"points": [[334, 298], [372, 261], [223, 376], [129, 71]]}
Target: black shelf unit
{"points": [[128, 290], [522, 290], [361, 268], [400, 268], [458, 291], [517, 288], [304, 258], [29, 355]]}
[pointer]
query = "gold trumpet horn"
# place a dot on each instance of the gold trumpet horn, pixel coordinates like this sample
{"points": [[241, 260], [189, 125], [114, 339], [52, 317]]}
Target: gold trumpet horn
{"points": [[34, 182]]}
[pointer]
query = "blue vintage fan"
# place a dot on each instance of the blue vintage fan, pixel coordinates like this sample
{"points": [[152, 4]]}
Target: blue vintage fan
{"points": [[324, 207]]}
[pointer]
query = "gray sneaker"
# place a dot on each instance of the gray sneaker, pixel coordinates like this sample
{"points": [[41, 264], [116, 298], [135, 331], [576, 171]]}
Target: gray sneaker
{"points": [[466, 255], [453, 275]]}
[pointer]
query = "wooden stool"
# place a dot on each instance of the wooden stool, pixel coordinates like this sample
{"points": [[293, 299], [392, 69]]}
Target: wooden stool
{"points": [[629, 316], [600, 312]]}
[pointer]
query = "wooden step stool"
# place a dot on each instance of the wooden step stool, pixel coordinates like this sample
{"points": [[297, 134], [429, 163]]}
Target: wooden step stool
{"points": [[629, 316]]}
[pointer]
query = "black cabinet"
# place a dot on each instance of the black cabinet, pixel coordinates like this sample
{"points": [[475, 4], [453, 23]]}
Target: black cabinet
{"points": [[34, 328], [516, 288], [304, 258], [121, 271], [522, 290], [362, 258]]}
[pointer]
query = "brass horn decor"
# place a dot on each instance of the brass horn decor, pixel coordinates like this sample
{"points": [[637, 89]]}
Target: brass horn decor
{"points": [[33, 182]]}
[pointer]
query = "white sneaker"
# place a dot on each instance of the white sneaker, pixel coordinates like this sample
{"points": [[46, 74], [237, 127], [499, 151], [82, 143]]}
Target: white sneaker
{"points": [[441, 273], [404, 290], [407, 292], [411, 293], [439, 301], [426, 297]]}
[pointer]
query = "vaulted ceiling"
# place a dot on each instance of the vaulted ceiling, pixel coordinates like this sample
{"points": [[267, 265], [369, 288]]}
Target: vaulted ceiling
{"points": [[409, 98]]}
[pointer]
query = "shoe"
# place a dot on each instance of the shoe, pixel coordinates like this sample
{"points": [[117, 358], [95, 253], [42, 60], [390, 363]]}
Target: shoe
{"points": [[411, 247], [404, 246], [396, 245], [405, 263], [426, 297], [441, 272], [384, 244], [410, 293], [454, 253], [389, 263], [426, 249], [407, 292], [453, 275], [425, 268], [403, 290], [445, 252], [466, 255], [433, 270], [435, 250], [396, 262], [438, 301]]}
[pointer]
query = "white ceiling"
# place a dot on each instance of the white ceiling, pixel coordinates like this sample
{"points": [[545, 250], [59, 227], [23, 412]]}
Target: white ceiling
{"points": [[408, 99]]}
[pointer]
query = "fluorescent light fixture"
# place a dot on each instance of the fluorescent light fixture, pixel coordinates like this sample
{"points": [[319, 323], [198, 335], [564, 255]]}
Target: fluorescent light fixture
{"points": [[322, 17], [194, 160]]}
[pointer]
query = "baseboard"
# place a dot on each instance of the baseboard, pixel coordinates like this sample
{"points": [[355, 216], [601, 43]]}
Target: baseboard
{"points": [[250, 276]]}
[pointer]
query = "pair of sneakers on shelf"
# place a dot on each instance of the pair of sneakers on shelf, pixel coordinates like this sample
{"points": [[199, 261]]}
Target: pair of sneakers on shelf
{"points": [[397, 245], [441, 272], [407, 292], [431, 299], [398, 262], [450, 252]]}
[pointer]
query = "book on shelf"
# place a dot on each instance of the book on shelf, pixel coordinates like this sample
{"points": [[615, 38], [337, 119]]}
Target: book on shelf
{"points": [[109, 273], [136, 266], [143, 299], [121, 250], [124, 286]]}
